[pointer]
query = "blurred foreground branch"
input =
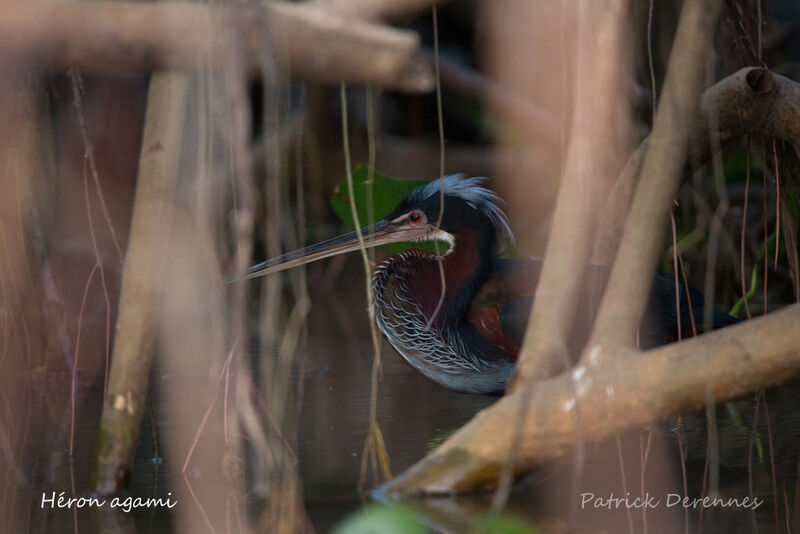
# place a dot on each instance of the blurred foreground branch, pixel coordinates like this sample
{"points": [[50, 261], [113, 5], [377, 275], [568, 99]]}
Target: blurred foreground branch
{"points": [[311, 42], [640, 247], [621, 393], [534, 121], [141, 282], [375, 10], [19, 278], [586, 174]]}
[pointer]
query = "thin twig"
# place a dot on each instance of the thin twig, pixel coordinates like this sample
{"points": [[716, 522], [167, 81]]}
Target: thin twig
{"points": [[74, 382], [744, 228], [378, 449], [764, 216], [688, 296], [771, 459], [645, 453], [201, 427], [88, 160], [752, 440], [777, 204], [650, 65], [273, 422], [675, 272], [760, 23], [440, 123], [624, 482], [684, 477], [199, 505], [370, 443], [77, 88]]}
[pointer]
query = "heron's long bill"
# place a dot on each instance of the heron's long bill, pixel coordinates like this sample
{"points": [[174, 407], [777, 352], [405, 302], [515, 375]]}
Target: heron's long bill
{"points": [[383, 233]]}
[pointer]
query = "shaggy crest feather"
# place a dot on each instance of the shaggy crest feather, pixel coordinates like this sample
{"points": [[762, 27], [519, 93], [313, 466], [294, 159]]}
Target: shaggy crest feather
{"points": [[469, 190]]}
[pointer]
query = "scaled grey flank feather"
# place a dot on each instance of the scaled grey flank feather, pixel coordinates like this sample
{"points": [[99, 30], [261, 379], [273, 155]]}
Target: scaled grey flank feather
{"points": [[407, 328]]}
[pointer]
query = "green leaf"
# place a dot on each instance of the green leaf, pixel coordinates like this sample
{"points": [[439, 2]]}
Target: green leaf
{"points": [[385, 193], [383, 519], [734, 166], [794, 205], [503, 524]]}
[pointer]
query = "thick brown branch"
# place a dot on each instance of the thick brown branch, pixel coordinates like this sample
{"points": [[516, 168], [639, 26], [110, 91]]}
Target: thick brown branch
{"points": [[621, 393], [625, 297], [138, 36], [751, 100]]}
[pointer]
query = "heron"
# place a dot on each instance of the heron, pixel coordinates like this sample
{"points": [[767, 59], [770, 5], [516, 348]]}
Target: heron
{"points": [[466, 336]]}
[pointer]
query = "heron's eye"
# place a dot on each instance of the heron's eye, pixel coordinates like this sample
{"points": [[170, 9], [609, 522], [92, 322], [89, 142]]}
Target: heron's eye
{"points": [[415, 217]]}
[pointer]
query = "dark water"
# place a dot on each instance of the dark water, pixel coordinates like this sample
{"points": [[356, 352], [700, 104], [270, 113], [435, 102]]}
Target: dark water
{"points": [[332, 414]]}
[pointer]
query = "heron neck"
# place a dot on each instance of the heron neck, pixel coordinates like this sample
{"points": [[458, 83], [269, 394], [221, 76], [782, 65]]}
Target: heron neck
{"points": [[466, 268]]}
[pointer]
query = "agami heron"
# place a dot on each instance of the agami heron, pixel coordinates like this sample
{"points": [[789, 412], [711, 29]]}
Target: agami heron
{"points": [[467, 337]]}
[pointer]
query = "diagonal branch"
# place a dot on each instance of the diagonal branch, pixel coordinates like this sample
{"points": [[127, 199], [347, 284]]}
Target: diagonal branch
{"points": [[616, 395], [628, 286], [596, 99]]}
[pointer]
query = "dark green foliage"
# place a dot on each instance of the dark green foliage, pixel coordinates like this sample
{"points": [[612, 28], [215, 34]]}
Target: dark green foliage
{"points": [[385, 191]]}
